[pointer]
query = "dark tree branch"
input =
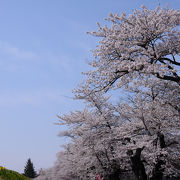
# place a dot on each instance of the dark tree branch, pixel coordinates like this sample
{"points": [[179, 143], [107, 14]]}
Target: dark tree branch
{"points": [[173, 62], [169, 78]]}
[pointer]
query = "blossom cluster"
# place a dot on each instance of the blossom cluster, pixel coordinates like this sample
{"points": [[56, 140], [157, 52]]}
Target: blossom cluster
{"points": [[139, 134]]}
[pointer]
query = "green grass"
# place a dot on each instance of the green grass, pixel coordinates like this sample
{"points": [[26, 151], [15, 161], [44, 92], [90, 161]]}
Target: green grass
{"points": [[6, 174]]}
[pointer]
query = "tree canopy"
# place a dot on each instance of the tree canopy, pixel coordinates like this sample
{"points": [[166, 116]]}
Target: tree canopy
{"points": [[140, 135], [29, 170], [146, 43]]}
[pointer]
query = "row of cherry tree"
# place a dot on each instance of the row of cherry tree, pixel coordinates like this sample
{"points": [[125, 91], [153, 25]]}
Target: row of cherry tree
{"points": [[140, 135]]}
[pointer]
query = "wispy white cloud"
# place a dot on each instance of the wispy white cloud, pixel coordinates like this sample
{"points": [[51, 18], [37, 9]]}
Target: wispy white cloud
{"points": [[13, 58], [36, 98], [10, 50]]}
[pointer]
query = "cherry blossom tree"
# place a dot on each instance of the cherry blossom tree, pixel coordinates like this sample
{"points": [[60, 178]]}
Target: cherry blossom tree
{"points": [[141, 134], [91, 135], [157, 108], [146, 43], [91, 151], [134, 51], [107, 142]]}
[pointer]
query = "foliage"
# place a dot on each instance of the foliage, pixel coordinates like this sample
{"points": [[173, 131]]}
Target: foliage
{"points": [[146, 43], [29, 170], [141, 134], [11, 175]]}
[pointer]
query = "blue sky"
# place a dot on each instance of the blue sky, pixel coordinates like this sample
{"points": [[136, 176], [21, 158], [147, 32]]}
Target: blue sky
{"points": [[43, 50]]}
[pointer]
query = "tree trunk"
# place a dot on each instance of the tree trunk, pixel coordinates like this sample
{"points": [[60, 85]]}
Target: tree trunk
{"points": [[115, 176], [158, 171], [161, 140], [138, 166], [115, 171]]}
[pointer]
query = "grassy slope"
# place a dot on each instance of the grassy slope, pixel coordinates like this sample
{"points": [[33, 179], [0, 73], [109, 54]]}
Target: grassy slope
{"points": [[11, 175]]}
